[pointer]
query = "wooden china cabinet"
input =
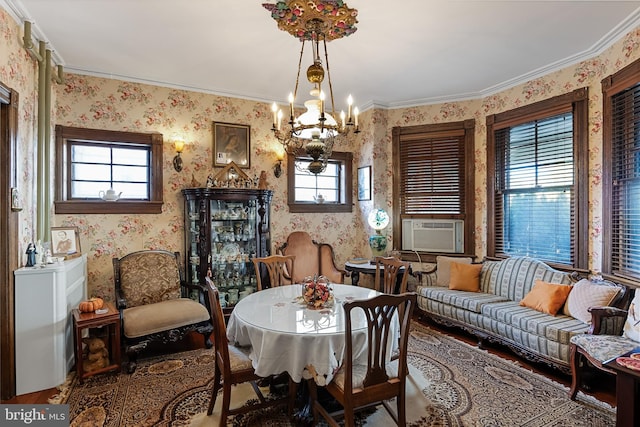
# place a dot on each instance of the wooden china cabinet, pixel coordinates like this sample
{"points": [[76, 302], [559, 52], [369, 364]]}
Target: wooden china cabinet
{"points": [[224, 229]]}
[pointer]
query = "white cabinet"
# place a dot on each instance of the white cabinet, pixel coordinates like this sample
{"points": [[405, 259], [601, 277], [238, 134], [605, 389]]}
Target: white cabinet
{"points": [[44, 298]]}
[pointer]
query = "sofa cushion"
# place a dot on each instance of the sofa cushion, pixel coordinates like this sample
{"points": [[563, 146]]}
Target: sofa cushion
{"points": [[604, 347], [546, 297], [586, 294], [472, 301], [162, 316], [554, 328], [444, 268], [465, 277]]}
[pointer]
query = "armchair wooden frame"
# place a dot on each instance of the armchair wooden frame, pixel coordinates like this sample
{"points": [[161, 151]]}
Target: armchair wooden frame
{"points": [[279, 270], [135, 345], [313, 258], [377, 387], [233, 367]]}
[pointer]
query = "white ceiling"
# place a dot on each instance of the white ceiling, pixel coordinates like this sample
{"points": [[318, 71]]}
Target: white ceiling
{"points": [[404, 53]]}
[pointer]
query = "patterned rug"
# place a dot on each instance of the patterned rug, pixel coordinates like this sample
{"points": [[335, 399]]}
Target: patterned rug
{"points": [[451, 384]]}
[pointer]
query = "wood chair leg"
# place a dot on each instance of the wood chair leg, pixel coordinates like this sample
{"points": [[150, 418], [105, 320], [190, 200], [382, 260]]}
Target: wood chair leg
{"points": [[576, 373], [214, 390]]}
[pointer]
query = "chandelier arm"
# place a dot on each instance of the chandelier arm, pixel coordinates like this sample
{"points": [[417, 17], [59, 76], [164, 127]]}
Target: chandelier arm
{"points": [[295, 90], [326, 58]]}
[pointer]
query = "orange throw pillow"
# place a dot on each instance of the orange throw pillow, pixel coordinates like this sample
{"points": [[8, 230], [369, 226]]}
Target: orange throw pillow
{"points": [[465, 277], [546, 297]]}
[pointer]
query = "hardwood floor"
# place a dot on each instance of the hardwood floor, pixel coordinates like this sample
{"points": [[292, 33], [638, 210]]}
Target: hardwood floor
{"points": [[605, 391]]}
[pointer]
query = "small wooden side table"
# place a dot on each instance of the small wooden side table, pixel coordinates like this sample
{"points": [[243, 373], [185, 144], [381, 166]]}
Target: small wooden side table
{"points": [[111, 320], [627, 393]]}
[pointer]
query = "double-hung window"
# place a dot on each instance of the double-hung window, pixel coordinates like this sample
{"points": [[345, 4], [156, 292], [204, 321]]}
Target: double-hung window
{"points": [[537, 181], [90, 162], [328, 191], [621, 177]]}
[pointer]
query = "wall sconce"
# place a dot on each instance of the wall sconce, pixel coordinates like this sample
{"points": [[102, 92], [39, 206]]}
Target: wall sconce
{"points": [[277, 168], [177, 160]]}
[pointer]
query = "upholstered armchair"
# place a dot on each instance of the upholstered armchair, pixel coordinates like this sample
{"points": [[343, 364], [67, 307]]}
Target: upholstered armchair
{"points": [[312, 258], [155, 303], [613, 333]]}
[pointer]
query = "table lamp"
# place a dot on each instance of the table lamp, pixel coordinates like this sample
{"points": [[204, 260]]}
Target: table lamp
{"points": [[378, 220]]}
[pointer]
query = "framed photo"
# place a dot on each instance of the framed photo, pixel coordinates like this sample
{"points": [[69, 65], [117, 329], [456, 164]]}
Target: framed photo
{"points": [[231, 143], [364, 183], [65, 241]]}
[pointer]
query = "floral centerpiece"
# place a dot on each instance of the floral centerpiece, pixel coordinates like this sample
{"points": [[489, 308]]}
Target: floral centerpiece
{"points": [[317, 292]]}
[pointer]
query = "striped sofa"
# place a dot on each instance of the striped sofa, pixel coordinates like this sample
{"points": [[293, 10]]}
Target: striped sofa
{"points": [[494, 313]]}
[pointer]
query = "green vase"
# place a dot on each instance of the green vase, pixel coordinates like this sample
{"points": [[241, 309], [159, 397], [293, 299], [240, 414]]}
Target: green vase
{"points": [[378, 244]]}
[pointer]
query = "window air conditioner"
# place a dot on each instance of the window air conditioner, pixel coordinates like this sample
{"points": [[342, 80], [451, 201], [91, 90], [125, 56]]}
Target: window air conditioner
{"points": [[433, 235]]}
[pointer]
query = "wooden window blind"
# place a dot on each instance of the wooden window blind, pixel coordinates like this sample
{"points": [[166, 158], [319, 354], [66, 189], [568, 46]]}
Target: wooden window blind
{"points": [[537, 181], [432, 174]]}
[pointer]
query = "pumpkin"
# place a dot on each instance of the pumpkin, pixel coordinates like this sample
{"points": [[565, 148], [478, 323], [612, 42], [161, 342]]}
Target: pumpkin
{"points": [[92, 304]]}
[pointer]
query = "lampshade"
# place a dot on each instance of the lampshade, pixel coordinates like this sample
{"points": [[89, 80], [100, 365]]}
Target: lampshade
{"points": [[378, 219]]}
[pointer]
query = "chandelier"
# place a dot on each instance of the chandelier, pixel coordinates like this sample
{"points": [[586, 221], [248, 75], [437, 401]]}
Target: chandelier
{"points": [[314, 133]]}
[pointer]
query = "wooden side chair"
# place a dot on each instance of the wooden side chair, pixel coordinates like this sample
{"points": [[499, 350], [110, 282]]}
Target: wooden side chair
{"points": [[313, 258], [233, 366], [361, 386], [155, 302], [387, 271], [279, 269]]}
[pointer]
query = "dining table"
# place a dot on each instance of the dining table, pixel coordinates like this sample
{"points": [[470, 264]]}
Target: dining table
{"points": [[286, 335]]}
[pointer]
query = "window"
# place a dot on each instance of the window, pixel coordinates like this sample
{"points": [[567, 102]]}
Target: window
{"points": [[537, 181], [335, 185], [433, 176], [91, 161], [621, 177]]}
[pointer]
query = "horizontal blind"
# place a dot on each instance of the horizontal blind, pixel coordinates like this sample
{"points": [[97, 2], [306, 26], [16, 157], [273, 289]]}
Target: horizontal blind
{"points": [[432, 174], [534, 198], [626, 182]]}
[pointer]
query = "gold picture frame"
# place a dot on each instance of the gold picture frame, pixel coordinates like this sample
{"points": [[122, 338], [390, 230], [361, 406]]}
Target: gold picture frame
{"points": [[65, 241], [231, 143]]}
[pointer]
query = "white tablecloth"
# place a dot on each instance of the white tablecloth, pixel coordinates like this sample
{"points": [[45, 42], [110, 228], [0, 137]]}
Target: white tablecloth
{"points": [[285, 336]]}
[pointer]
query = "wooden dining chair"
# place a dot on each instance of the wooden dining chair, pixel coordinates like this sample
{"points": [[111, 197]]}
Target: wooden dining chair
{"points": [[278, 267], [387, 271], [233, 366], [358, 386]]}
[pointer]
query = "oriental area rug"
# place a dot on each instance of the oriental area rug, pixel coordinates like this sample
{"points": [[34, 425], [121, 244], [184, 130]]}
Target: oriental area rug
{"points": [[451, 383]]}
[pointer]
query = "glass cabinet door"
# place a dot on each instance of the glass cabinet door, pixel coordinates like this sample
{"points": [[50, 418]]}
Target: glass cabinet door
{"points": [[224, 230]]}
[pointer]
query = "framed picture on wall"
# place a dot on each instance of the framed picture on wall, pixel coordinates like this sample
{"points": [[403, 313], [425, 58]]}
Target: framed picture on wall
{"points": [[364, 183], [65, 241], [231, 143]]}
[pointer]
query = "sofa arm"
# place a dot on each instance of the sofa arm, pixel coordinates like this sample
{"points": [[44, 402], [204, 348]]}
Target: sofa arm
{"points": [[607, 320], [428, 278], [328, 266]]}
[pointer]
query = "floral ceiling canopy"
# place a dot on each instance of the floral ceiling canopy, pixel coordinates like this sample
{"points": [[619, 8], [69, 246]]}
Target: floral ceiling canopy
{"points": [[299, 17]]}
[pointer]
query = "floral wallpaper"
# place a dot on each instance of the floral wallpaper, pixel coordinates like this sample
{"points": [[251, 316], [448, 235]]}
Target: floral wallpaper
{"points": [[118, 105]]}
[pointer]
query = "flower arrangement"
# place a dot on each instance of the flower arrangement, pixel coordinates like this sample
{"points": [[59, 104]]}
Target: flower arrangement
{"points": [[317, 292]]}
